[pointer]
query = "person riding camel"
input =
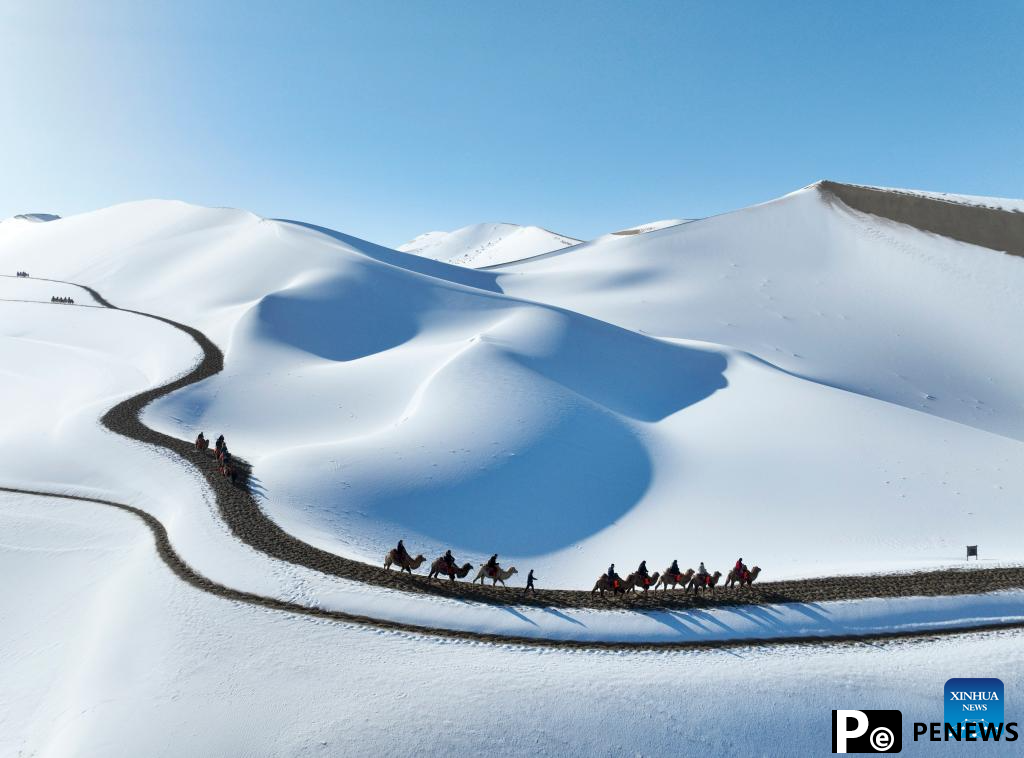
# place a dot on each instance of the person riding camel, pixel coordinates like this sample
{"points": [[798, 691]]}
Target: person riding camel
{"points": [[674, 571], [449, 559], [200, 441], [492, 565], [741, 569], [702, 574], [220, 443], [401, 553], [613, 578], [645, 575]]}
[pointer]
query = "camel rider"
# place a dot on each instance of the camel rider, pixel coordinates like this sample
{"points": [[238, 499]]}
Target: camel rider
{"points": [[449, 559], [741, 569], [673, 570], [702, 574], [611, 575], [401, 553], [199, 441], [645, 575], [492, 565]]}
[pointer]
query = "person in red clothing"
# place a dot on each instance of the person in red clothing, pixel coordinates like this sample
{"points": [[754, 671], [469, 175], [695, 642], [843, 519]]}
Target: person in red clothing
{"points": [[741, 570]]}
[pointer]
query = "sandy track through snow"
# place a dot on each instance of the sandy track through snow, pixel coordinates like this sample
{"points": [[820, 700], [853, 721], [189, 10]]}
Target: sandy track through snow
{"points": [[247, 521]]}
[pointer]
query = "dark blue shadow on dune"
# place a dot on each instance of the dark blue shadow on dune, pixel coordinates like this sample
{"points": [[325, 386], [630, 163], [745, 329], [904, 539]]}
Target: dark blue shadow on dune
{"points": [[587, 469], [342, 319], [575, 480], [564, 617]]}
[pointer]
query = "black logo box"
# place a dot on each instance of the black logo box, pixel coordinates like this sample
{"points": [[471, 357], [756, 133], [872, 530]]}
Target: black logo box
{"points": [[876, 738]]}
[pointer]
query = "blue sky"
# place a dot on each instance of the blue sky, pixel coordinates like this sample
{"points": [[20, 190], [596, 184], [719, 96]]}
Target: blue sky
{"points": [[387, 119]]}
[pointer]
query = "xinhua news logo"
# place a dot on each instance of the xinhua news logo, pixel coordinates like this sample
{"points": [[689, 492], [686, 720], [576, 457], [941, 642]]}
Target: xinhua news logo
{"points": [[974, 701], [867, 731], [973, 711]]}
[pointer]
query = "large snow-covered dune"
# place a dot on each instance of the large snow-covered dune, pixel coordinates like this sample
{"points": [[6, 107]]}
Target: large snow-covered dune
{"points": [[750, 384]]}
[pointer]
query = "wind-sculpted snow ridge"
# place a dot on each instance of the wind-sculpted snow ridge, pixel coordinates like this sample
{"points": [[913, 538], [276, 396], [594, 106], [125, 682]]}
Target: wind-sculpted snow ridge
{"points": [[483, 245], [652, 226]]}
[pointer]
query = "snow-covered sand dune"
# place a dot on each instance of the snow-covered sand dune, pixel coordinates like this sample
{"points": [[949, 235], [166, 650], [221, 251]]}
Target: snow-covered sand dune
{"points": [[384, 395], [817, 388]]}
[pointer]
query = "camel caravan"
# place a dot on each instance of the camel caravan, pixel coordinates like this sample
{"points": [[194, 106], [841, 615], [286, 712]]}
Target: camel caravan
{"points": [[700, 581], [63, 300], [22, 274], [226, 466]]}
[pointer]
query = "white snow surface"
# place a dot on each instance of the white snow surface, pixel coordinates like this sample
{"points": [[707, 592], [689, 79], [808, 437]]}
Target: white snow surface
{"points": [[107, 653], [652, 226], [482, 245], [815, 389], [843, 364]]}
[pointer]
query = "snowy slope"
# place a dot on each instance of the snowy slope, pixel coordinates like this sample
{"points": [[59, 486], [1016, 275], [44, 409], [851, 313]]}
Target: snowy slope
{"points": [[778, 414], [482, 245], [384, 395], [841, 297], [107, 653], [652, 226]]}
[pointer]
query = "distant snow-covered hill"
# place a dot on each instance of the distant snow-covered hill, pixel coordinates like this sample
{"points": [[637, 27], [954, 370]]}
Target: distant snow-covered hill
{"points": [[651, 226], [482, 245], [31, 218]]}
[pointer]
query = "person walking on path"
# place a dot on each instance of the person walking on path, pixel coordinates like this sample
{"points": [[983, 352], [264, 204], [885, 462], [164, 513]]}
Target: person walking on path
{"points": [[529, 583]]}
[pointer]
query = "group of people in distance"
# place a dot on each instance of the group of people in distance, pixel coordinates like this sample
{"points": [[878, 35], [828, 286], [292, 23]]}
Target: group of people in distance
{"points": [[703, 576], [22, 274], [63, 300], [225, 463], [447, 564], [490, 569]]}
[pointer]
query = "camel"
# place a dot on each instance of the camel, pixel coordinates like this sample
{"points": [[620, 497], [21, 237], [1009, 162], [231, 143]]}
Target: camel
{"points": [[668, 579], [440, 567], [633, 581], [708, 584], [749, 580], [500, 575], [603, 584], [410, 565]]}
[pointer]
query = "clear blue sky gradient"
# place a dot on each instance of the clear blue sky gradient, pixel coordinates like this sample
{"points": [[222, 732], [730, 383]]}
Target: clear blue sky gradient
{"points": [[387, 119]]}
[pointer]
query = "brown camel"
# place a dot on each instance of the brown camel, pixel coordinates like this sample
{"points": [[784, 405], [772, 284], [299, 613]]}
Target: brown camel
{"points": [[604, 584], [634, 580], [409, 565], [704, 583], [672, 580], [440, 567], [500, 575], [748, 579]]}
